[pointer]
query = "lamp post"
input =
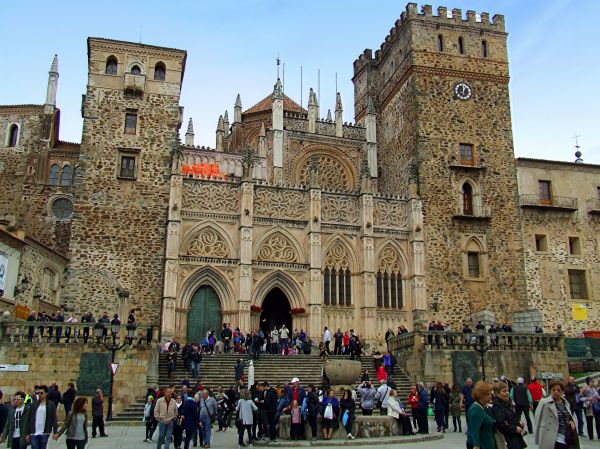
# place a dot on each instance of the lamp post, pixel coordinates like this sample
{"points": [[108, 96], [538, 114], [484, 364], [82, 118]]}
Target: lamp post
{"points": [[481, 346], [113, 347]]}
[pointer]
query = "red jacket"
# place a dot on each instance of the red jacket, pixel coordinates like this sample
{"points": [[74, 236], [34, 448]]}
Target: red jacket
{"points": [[535, 389]]}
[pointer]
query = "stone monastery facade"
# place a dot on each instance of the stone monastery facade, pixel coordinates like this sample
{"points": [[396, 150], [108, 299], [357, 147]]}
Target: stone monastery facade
{"points": [[411, 214]]}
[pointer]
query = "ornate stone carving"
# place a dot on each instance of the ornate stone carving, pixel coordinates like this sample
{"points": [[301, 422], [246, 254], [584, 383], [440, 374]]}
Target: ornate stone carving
{"points": [[277, 248], [276, 203], [337, 208], [207, 243], [337, 256], [315, 239], [332, 174], [246, 234], [389, 260], [390, 213], [245, 271], [368, 243], [212, 197], [315, 195]]}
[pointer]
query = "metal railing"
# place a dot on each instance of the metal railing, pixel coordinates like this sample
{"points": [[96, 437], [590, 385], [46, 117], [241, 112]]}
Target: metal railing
{"points": [[506, 341], [558, 202], [22, 331]]}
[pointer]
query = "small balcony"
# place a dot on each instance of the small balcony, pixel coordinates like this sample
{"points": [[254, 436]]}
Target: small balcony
{"points": [[135, 83], [473, 212], [536, 201], [467, 164], [593, 206]]}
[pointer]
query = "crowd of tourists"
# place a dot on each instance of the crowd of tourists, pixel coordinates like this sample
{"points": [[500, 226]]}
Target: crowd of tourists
{"points": [[31, 419], [58, 332]]}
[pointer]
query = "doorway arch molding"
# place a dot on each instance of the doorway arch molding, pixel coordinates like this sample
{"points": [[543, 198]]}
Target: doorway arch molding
{"points": [[285, 283]]}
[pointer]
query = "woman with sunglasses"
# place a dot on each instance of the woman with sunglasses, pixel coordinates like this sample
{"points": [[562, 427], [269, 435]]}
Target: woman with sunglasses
{"points": [[76, 425]]}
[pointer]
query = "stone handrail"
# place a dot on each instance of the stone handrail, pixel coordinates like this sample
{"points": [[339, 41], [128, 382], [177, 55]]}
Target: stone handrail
{"points": [[507, 341], [22, 331]]}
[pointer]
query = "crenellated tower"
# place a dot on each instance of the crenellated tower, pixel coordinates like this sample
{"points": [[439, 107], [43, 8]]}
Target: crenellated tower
{"points": [[439, 86]]}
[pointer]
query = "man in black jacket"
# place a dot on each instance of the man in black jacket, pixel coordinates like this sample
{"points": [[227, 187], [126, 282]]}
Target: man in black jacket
{"points": [[69, 398], [42, 420], [270, 405], [522, 399], [54, 394], [226, 336]]}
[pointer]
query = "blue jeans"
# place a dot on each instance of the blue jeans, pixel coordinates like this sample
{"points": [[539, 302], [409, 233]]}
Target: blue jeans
{"points": [[39, 441], [16, 443], [164, 434], [195, 366], [206, 428]]}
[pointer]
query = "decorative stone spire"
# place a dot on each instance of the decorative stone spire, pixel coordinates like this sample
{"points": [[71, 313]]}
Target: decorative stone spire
{"points": [[226, 122], [220, 135], [339, 126], [277, 91], [263, 132], [52, 85], [313, 112], [329, 119], [189, 134], [237, 110], [370, 106], [371, 135], [314, 173]]}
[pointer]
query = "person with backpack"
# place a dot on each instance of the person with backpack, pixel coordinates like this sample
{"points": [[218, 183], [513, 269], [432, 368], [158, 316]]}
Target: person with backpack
{"points": [[382, 395]]}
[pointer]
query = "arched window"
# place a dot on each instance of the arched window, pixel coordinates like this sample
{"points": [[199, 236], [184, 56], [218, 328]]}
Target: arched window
{"points": [[75, 176], [461, 46], [389, 280], [111, 66], [135, 70], [337, 277], [467, 196], [65, 177], [160, 71], [440, 41], [54, 175], [13, 135], [484, 49], [475, 259]]}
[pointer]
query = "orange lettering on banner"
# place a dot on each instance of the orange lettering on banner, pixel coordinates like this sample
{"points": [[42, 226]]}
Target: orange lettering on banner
{"points": [[203, 171]]}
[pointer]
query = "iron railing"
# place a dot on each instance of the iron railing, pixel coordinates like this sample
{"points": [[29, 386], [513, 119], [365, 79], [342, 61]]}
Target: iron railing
{"points": [[557, 202]]}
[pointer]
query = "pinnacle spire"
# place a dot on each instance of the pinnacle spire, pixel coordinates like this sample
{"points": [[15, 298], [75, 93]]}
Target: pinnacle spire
{"points": [[54, 66], [220, 123], [277, 90], [370, 106], [329, 119], [190, 128], [338, 101], [238, 101], [189, 135], [263, 132], [312, 98]]}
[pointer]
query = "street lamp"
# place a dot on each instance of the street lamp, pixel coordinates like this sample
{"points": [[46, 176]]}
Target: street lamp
{"points": [[113, 348], [481, 346]]}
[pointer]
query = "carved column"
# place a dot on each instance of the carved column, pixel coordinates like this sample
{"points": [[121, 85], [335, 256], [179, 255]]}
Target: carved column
{"points": [[168, 325], [245, 272], [368, 306], [315, 286], [418, 296]]}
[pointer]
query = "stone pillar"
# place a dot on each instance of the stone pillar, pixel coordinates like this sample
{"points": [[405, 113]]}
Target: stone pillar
{"points": [[278, 133], [315, 286], [371, 134], [418, 292], [262, 141], [168, 325], [369, 304], [245, 272], [313, 111], [339, 126]]}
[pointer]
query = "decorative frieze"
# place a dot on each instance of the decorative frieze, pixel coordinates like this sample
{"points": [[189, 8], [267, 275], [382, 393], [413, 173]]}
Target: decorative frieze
{"points": [[339, 209], [210, 196], [390, 213], [279, 203]]}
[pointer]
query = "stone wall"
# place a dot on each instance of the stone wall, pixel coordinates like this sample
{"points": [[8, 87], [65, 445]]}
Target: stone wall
{"points": [[50, 361]]}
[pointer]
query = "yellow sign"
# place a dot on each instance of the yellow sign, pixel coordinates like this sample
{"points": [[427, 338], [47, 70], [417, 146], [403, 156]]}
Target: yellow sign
{"points": [[580, 312], [21, 311]]}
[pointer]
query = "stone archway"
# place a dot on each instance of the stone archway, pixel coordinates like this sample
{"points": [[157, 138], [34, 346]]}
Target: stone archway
{"points": [[275, 311]]}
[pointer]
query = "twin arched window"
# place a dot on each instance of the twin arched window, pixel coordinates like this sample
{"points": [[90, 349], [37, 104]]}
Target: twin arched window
{"points": [[13, 135], [67, 176], [389, 280], [337, 285], [111, 66], [54, 175], [160, 71]]}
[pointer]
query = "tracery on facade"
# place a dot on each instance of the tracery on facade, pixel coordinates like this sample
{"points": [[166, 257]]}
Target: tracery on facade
{"points": [[389, 279], [208, 242], [334, 174], [337, 289]]}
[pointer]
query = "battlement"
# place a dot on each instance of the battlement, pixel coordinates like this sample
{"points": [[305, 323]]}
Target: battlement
{"points": [[454, 17]]}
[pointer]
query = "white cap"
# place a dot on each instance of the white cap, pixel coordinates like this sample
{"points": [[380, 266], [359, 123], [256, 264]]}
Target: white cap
{"points": [[294, 379]]}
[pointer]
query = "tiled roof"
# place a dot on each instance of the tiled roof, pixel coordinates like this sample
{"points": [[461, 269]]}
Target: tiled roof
{"points": [[266, 104], [530, 160]]}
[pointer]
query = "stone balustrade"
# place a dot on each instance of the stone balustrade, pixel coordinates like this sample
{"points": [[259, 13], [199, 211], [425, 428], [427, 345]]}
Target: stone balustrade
{"points": [[506, 341], [21, 331]]}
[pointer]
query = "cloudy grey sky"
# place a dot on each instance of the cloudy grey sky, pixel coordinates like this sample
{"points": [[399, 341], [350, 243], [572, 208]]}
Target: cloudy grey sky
{"points": [[232, 46]]}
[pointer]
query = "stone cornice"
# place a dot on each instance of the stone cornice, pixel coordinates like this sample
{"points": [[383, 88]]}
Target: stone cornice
{"points": [[554, 165]]}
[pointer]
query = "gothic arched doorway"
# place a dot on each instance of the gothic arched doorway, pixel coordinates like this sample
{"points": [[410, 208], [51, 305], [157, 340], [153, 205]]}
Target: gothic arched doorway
{"points": [[275, 311], [204, 312]]}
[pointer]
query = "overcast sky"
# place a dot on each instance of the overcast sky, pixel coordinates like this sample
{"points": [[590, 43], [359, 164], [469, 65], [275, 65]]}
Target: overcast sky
{"points": [[232, 47]]}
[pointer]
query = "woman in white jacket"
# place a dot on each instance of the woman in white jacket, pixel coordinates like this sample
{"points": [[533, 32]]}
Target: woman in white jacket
{"points": [[245, 416], [395, 409], [554, 426]]}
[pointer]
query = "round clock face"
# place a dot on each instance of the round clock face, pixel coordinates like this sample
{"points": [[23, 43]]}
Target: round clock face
{"points": [[463, 91]]}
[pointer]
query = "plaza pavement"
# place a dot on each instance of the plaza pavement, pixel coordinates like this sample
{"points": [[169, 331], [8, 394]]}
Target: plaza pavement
{"points": [[131, 437]]}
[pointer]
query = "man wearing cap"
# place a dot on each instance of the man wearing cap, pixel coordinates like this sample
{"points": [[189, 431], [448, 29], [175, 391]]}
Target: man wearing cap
{"points": [[295, 393]]}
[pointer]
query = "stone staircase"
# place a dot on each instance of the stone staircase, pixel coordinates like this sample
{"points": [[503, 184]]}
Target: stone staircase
{"points": [[220, 370]]}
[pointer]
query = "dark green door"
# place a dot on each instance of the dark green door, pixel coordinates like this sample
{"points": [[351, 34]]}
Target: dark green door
{"points": [[204, 313]]}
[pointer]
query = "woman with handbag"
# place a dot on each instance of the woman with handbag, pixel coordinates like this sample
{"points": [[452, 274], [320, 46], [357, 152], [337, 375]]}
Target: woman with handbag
{"points": [[396, 410], [330, 411], [507, 423], [591, 409], [480, 421], [245, 416], [348, 408], [554, 426]]}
